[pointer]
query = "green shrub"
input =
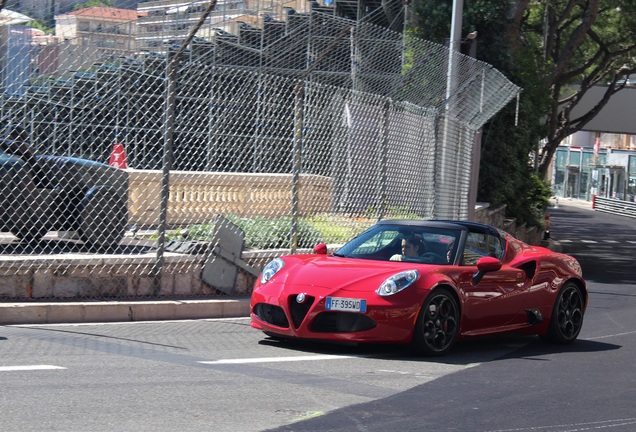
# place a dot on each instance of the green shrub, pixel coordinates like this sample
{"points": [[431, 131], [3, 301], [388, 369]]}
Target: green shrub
{"points": [[275, 233], [265, 233], [338, 229]]}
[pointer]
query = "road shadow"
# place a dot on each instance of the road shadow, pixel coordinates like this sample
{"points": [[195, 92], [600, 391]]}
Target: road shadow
{"points": [[477, 350], [458, 399], [539, 349]]}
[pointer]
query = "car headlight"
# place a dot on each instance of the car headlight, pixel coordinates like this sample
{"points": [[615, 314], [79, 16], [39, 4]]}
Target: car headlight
{"points": [[271, 269], [397, 282]]}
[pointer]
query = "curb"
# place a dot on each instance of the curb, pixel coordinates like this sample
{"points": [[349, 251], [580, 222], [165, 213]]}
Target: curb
{"points": [[121, 311]]}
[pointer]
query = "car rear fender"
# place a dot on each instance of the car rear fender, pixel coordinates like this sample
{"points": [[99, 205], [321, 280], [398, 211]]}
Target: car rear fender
{"points": [[580, 284]]}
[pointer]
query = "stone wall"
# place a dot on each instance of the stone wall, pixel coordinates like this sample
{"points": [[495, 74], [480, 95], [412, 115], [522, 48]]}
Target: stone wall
{"points": [[496, 216]]}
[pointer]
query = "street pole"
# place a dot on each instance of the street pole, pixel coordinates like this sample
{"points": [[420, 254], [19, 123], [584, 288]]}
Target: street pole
{"points": [[453, 48]]}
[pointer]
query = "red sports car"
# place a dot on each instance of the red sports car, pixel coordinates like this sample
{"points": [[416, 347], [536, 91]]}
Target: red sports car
{"points": [[427, 283]]}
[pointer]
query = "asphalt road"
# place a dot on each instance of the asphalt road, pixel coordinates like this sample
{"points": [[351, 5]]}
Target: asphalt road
{"points": [[590, 385], [221, 375]]}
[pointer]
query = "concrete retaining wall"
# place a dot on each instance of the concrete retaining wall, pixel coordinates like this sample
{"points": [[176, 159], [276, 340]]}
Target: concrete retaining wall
{"points": [[78, 277]]}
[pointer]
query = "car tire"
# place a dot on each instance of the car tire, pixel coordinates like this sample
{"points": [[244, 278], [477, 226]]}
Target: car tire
{"points": [[437, 324], [567, 316], [31, 213], [29, 234], [103, 218]]}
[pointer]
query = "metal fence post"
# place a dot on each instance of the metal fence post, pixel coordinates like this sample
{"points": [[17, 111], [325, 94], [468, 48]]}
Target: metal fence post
{"points": [[172, 68], [299, 94]]}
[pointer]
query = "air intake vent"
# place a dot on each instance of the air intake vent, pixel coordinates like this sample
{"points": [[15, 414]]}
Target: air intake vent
{"points": [[271, 314]]}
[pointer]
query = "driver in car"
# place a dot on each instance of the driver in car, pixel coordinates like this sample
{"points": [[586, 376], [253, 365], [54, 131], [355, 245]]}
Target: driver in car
{"points": [[412, 247]]}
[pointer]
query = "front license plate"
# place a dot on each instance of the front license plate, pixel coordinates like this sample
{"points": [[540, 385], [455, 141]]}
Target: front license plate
{"points": [[346, 304]]}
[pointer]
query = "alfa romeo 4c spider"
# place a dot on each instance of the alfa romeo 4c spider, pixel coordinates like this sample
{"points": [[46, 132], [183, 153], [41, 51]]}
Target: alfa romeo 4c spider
{"points": [[425, 283]]}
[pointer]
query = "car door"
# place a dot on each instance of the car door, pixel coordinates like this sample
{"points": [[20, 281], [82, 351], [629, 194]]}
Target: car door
{"points": [[496, 301]]}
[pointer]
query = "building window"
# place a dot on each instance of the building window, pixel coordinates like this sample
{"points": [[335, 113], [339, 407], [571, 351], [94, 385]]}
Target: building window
{"points": [[575, 158], [631, 176]]}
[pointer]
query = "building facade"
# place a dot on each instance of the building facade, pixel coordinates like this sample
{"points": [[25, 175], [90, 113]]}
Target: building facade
{"points": [[592, 164], [15, 40], [108, 28], [168, 22]]}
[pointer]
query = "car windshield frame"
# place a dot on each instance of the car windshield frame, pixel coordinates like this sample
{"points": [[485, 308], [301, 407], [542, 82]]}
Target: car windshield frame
{"points": [[383, 242]]}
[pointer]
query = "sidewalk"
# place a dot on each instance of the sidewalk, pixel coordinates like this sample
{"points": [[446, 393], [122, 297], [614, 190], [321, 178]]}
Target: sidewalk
{"points": [[570, 202], [121, 311]]}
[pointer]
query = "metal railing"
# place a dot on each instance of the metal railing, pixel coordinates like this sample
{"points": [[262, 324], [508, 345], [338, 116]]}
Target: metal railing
{"points": [[614, 206]]}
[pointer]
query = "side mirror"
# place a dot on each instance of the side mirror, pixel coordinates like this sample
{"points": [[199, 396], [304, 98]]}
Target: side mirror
{"points": [[485, 265], [320, 249]]}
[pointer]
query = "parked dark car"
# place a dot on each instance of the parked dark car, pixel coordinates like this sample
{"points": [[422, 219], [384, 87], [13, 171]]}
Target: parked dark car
{"points": [[42, 193]]}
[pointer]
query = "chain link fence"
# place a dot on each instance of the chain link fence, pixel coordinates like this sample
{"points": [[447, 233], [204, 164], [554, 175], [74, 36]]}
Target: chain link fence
{"points": [[275, 133]]}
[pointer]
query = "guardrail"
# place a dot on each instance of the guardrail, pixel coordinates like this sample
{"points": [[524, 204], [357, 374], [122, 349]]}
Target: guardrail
{"points": [[614, 206]]}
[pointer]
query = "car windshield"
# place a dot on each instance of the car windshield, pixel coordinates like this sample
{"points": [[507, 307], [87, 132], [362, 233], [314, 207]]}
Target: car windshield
{"points": [[423, 244]]}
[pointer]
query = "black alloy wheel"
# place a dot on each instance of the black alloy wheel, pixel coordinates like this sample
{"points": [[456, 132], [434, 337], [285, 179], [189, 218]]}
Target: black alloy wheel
{"points": [[437, 324], [567, 316]]}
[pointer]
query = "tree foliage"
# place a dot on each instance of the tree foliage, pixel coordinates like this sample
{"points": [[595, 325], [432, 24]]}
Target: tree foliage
{"points": [[580, 44], [506, 176], [555, 50], [92, 3], [41, 25]]}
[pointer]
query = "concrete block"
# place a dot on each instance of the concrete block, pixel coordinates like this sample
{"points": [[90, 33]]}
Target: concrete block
{"points": [[71, 312], [89, 288], [67, 287], [183, 284], [198, 309], [23, 313], [115, 287], [106, 312], [167, 284], [43, 283], [9, 287], [152, 311], [236, 308], [144, 286]]}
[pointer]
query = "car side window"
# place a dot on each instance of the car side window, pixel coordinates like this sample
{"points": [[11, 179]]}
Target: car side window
{"points": [[480, 245]]}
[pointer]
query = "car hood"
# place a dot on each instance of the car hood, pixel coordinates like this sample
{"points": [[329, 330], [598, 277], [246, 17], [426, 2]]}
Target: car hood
{"points": [[336, 273]]}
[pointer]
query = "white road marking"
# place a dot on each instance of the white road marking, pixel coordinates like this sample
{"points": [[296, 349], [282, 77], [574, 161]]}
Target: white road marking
{"points": [[278, 359], [589, 241], [120, 323], [610, 241], [576, 427], [26, 368], [612, 335]]}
